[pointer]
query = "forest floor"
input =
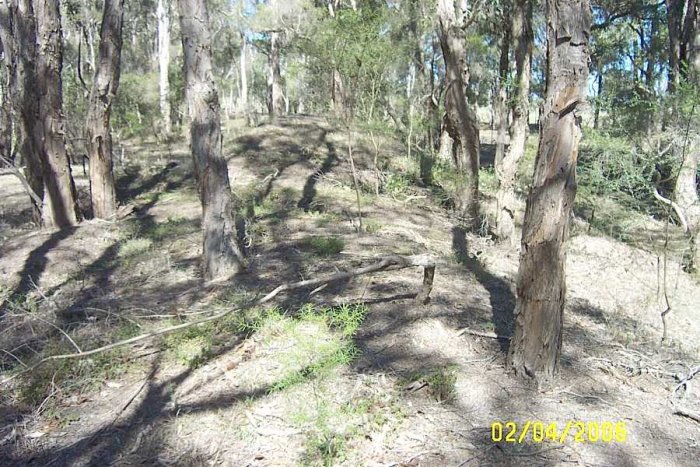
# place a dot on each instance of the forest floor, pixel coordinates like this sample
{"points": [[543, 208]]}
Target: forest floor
{"points": [[354, 374]]}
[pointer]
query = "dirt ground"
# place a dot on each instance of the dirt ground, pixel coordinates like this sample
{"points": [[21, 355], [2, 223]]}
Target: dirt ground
{"points": [[383, 407]]}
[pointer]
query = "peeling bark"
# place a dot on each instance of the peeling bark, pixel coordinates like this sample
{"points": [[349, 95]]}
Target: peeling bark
{"points": [[541, 286]]}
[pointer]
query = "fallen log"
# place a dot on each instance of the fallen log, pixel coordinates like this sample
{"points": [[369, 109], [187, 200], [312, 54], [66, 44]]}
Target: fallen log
{"points": [[387, 263]]}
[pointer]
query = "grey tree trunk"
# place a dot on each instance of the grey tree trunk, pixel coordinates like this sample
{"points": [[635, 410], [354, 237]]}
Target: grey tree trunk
{"points": [[506, 169], [7, 74], [541, 287], [275, 101], [60, 208], [163, 14], [104, 90], [221, 256], [24, 89], [460, 119]]}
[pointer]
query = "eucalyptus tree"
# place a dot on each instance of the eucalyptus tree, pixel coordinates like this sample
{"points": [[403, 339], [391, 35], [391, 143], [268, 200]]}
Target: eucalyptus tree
{"points": [[104, 89], [541, 284], [460, 118], [222, 257]]}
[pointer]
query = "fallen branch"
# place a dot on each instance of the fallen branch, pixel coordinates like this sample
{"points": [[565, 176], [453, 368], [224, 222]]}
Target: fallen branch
{"points": [[388, 263]]}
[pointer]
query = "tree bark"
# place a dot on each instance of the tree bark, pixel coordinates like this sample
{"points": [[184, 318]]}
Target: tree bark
{"points": [[541, 286], [221, 256], [460, 119], [60, 208], [506, 170], [163, 14], [104, 89], [275, 101]]}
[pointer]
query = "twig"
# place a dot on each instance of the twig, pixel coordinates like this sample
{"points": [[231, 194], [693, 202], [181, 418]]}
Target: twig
{"points": [[489, 335], [687, 413], [687, 378], [388, 263]]}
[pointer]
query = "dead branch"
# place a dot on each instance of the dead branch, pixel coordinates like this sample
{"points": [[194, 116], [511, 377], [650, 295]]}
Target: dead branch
{"points": [[687, 413], [676, 208], [388, 263], [18, 173]]}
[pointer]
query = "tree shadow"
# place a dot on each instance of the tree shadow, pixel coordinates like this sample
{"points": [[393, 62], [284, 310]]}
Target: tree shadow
{"points": [[331, 160], [34, 267], [500, 295]]}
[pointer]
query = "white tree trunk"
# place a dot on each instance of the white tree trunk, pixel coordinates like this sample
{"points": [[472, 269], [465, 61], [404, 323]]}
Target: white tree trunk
{"points": [[164, 62]]}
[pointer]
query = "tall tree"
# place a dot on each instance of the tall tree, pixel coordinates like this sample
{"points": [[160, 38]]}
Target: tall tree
{"points": [[221, 256], [163, 14], [507, 166], [541, 285], [460, 119], [104, 89], [60, 208]]}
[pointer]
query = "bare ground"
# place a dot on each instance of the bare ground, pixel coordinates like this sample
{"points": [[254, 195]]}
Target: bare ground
{"points": [[376, 410]]}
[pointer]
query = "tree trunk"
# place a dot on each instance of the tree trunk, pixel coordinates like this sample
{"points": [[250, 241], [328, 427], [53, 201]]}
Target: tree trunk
{"points": [[501, 101], [60, 208], [243, 98], [599, 94], [675, 15], [163, 14], [275, 102], [506, 171], [7, 120], [104, 89], [460, 119], [24, 89], [221, 257], [536, 344]]}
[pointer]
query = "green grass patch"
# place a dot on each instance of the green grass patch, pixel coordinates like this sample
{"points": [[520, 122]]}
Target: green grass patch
{"points": [[440, 381], [324, 246]]}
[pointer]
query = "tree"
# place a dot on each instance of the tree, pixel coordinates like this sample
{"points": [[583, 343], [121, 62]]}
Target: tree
{"points": [[104, 89], [275, 99], [541, 284], [460, 119], [507, 166], [221, 256], [163, 14]]}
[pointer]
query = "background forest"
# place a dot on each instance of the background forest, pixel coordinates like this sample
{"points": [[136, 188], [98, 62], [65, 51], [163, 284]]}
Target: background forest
{"points": [[337, 232]]}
